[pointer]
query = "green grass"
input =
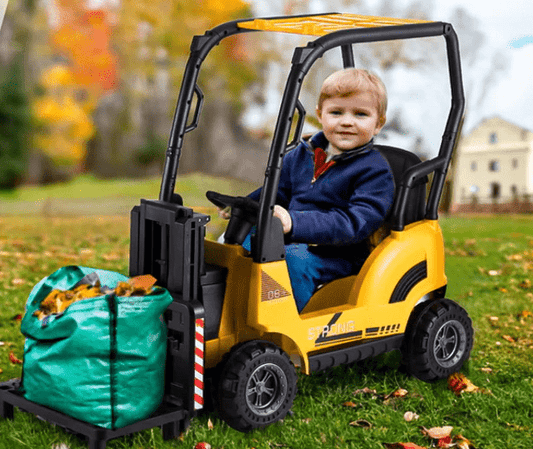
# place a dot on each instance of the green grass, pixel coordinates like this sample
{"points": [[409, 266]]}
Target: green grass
{"points": [[490, 270]]}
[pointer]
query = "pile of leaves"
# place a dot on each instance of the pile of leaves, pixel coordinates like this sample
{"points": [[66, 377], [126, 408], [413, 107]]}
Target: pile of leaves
{"points": [[57, 301]]}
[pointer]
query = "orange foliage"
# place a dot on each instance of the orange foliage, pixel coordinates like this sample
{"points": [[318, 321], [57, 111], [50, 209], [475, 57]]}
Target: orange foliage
{"points": [[84, 36]]}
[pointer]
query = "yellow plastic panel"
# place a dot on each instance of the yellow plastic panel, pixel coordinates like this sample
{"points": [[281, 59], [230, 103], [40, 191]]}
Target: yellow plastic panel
{"points": [[324, 24]]}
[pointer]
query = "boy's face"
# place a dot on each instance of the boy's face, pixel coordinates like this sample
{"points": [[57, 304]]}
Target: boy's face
{"points": [[349, 122]]}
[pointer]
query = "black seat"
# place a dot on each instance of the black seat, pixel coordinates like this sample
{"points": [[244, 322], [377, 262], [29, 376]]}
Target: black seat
{"points": [[400, 161]]}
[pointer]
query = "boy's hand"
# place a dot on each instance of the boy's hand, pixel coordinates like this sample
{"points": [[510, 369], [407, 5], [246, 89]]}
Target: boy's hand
{"points": [[285, 218], [224, 213]]}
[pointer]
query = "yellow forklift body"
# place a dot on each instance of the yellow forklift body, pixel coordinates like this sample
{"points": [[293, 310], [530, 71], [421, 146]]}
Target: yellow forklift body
{"points": [[259, 304]]}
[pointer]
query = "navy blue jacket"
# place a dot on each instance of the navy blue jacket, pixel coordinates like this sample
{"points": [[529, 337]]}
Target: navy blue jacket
{"points": [[344, 205]]}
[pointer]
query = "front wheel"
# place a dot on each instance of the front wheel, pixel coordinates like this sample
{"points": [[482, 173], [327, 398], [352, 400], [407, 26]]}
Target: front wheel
{"points": [[257, 386], [438, 340]]}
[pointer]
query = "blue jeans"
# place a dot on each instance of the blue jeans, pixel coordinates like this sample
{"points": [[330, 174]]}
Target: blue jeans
{"points": [[308, 270]]}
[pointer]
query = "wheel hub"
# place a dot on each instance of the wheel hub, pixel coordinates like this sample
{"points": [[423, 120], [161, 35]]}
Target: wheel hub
{"points": [[266, 389], [450, 343]]}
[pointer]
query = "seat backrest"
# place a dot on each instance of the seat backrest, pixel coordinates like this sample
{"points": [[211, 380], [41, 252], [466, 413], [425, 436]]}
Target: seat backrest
{"points": [[400, 161]]}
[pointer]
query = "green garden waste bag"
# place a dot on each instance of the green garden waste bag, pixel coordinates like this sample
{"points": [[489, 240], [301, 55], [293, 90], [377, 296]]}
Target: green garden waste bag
{"points": [[102, 360]]}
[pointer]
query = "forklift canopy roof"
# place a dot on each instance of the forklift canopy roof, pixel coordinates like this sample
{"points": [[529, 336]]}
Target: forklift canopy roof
{"points": [[321, 25]]}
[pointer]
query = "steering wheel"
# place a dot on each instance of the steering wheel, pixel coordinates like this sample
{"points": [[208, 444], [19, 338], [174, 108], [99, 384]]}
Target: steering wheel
{"points": [[244, 212]]}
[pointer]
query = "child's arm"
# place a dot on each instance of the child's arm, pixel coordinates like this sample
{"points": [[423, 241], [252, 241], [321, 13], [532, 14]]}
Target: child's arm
{"points": [[353, 220]]}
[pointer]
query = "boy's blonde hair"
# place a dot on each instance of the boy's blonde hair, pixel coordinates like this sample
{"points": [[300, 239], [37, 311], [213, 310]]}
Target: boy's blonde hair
{"points": [[347, 82]]}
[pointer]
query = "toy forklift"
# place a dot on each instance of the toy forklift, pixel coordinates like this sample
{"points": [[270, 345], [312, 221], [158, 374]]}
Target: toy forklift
{"points": [[234, 315]]}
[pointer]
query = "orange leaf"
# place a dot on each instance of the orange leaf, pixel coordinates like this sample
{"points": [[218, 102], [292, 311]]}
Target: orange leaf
{"points": [[508, 338], [350, 404], [458, 383], [13, 358]]}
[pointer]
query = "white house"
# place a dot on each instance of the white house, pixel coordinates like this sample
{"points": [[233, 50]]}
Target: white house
{"points": [[493, 168]]}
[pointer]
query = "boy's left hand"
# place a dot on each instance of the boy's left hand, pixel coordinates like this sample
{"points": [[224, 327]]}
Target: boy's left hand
{"points": [[284, 216]]}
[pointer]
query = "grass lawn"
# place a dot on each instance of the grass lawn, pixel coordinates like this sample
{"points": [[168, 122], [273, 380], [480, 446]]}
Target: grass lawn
{"points": [[490, 271]]}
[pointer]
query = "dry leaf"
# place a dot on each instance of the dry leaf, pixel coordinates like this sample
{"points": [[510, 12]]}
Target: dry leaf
{"points": [[410, 416], [365, 391], [495, 272], [13, 358], [437, 433], [458, 383], [445, 442], [350, 404], [361, 423], [508, 338], [202, 445], [210, 425], [399, 393], [402, 446], [462, 442]]}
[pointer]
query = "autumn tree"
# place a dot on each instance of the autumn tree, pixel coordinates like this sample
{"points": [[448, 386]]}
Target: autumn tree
{"points": [[15, 112], [153, 40], [71, 89]]}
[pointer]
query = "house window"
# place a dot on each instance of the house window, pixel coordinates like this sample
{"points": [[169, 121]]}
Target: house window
{"points": [[494, 165], [515, 163], [493, 138], [473, 166], [514, 191]]}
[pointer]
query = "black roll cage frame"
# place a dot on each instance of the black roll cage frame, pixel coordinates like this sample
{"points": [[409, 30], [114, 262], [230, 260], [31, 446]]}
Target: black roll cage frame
{"points": [[268, 243]]}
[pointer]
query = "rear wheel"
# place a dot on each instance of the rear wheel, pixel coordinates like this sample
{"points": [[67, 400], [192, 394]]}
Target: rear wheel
{"points": [[257, 386], [438, 340]]}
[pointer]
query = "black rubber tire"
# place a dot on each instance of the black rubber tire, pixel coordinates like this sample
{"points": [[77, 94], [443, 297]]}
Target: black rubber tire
{"points": [[438, 340], [257, 386]]}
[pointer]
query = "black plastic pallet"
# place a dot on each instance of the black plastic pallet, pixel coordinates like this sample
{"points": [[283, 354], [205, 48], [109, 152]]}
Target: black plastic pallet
{"points": [[171, 419]]}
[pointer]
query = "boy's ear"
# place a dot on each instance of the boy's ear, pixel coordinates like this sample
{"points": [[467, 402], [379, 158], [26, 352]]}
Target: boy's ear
{"points": [[381, 124], [319, 114]]}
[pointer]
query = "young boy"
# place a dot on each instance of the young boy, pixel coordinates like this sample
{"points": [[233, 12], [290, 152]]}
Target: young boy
{"points": [[335, 190]]}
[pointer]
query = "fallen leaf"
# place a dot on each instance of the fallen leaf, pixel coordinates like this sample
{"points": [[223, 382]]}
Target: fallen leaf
{"points": [[350, 404], [361, 423], [402, 446], [437, 433], [399, 393], [462, 442], [509, 338], [365, 391], [445, 442], [18, 282], [526, 284], [202, 445], [410, 416], [13, 358], [487, 370], [17, 317], [306, 420], [458, 383], [525, 314], [494, 272], [210, 425]]}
